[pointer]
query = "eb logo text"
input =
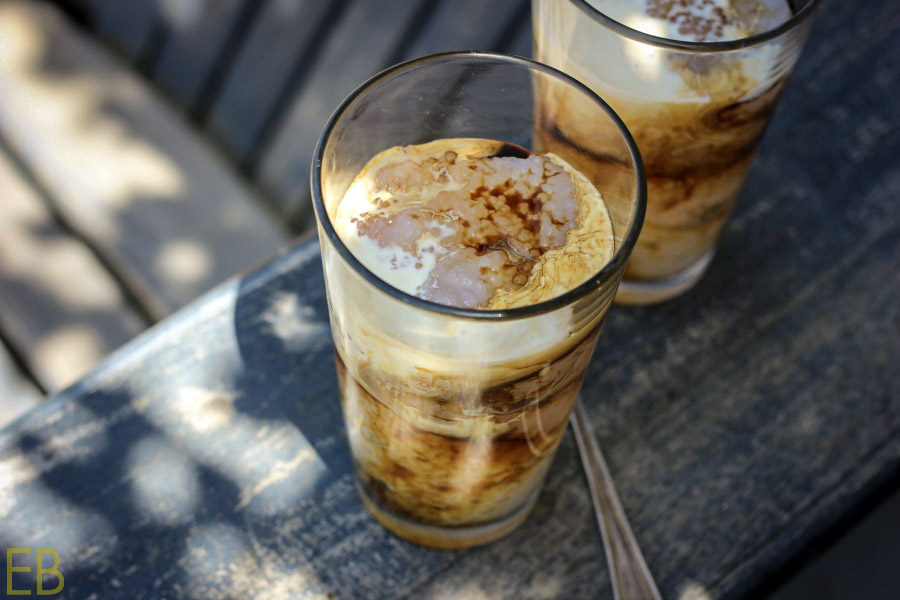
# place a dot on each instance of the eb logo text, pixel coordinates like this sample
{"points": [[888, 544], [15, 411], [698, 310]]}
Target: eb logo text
{"points": [[40, 570]]}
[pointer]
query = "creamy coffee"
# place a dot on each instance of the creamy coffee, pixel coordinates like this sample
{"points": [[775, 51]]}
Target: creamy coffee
{"points": [[453, 422], [475, 223], [697, 117]]}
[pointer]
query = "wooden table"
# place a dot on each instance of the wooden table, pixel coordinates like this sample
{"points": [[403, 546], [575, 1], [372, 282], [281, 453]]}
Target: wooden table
{"points": [[743, 422]]}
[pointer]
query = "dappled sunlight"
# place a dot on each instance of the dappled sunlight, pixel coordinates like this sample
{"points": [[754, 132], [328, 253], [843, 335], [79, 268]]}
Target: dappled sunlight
{"points": [[204, 410], [293, 323], [470, 591], [223, 562], [34, 249], [210, 551], [73, 530], [184, 262], [270, 461], [65, 261], [693, 591], [84, 438], [168, 213], [70, 351], [14, 471], [182, 14], [164, 482], [64, 117]]}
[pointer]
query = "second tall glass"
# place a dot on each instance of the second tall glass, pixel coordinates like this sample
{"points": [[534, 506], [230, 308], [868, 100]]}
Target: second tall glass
{"points": [[696, 109]]}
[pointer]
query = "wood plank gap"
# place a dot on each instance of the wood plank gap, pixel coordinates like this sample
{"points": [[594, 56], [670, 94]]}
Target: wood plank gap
{"points": [[148, 312], [19, 361], [78, 13], [234, 41], [294, 83], [88, 22], [148, 58]]}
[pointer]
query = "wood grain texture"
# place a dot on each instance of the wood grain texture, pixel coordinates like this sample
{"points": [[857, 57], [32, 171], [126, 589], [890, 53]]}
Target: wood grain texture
{"points": [[59, 307], [197, 31], [167, 214], [234, 401], [741, 421], [278, 45]]}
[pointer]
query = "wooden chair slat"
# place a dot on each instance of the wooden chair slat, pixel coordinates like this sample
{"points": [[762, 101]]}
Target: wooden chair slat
{"points": [[163, 209], [276, 47], [362, 43], [62, 310], [128, 25], [197, 31]]}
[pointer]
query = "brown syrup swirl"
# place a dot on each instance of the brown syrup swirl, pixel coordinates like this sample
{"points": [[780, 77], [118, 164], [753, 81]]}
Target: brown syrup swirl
{"points": [[493, 216]]}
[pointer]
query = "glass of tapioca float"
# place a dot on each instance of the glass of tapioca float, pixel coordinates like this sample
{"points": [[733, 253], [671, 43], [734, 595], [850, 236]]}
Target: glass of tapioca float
{"points": [[696, 82], [468, 276]]}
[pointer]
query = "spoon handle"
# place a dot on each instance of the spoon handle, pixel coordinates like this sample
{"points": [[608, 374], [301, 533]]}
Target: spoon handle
{"points": [[631, 579]]}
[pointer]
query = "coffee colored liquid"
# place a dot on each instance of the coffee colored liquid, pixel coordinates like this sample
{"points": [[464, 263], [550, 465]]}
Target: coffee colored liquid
{"points": [[696, 159], [697, 118], [453, 422], [413, 464]]}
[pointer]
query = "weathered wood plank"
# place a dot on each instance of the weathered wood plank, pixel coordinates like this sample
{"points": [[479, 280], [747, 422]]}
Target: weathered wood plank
{"points": [[716, 482], [281, 42], [59, 307], [196, 32], [362, 43], [17, 394], [164, 210], [128, 25]]}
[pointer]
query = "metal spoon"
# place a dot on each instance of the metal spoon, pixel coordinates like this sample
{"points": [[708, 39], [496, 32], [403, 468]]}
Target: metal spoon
{"points": [[631, 579]]}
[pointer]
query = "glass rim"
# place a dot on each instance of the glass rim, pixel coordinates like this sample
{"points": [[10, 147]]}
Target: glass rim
{"points": [[616, 263], [697, 47]]}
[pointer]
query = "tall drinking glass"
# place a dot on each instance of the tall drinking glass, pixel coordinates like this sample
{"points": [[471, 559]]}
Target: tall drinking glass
{"points": [[697, 110], [453, 414]]}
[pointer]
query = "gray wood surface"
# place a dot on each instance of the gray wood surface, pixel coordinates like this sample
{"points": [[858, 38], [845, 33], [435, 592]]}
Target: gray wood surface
{"points": [[217, 439], [197, 32], [169, 215], [282, 43], [61, 309], [128, 25]]}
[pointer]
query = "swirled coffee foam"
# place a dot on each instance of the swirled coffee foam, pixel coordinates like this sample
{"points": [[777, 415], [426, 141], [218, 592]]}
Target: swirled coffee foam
{"points": [[475, 223]]}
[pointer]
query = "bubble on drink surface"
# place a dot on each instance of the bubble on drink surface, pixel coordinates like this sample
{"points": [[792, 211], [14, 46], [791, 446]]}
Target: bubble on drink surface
{"points": [[458, 222]]}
